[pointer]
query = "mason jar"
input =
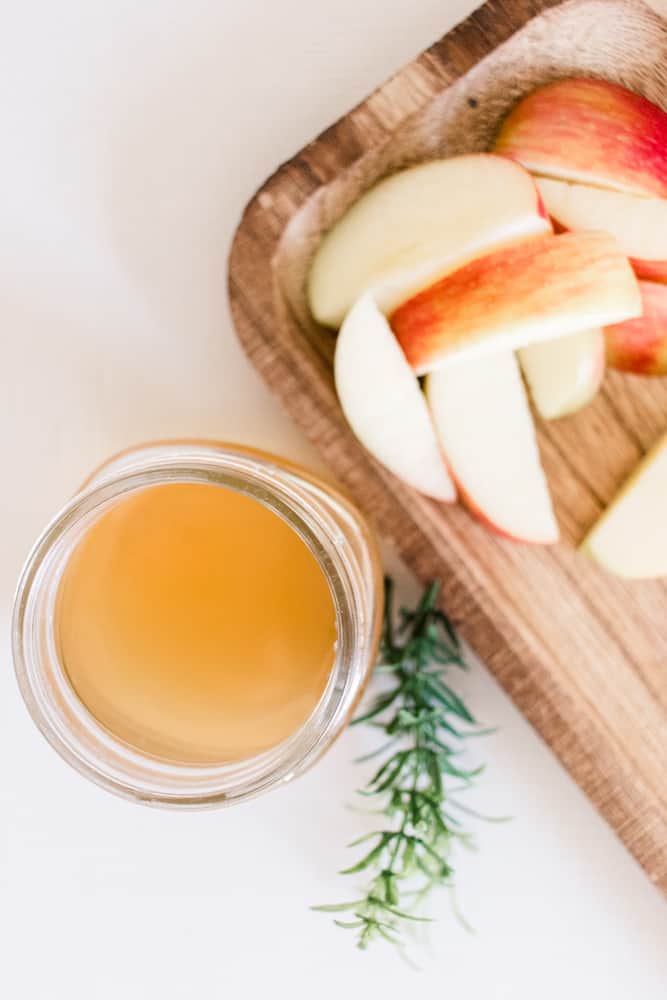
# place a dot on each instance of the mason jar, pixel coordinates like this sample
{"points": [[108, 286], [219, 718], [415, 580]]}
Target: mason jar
{"points": [[326, 522]]}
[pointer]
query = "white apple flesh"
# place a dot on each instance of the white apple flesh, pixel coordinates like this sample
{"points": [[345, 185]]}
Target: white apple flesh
{"points": [[564, 375], [486, 430], [630, 539], [638, 224], [418, 224], [384, 405]]}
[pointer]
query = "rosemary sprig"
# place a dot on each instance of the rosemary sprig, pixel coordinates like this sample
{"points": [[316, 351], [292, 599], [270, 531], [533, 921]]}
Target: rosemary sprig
{"points": [[426, 723]]}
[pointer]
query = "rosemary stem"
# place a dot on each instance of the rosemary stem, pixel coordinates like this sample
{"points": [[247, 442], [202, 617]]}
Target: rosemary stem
{"points": [[426, 724]]}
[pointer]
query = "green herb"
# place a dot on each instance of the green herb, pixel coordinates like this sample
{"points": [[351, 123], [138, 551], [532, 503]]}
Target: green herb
{"points": [[426, 724]]}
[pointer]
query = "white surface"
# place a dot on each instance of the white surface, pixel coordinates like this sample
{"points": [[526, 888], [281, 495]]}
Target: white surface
{"points": [[132, 136]]}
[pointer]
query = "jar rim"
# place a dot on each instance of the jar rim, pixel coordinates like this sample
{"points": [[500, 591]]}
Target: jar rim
{"points": [[329, 525]]}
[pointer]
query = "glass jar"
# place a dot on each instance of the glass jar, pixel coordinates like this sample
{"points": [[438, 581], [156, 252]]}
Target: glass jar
{"points": [[334, 531]]}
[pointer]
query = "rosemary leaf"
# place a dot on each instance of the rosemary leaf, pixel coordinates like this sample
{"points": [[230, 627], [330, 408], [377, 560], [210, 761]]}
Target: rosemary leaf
{"points": [[413, 784]]}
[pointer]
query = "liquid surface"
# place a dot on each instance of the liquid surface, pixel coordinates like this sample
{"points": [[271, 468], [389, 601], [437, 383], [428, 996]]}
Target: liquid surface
{"points": [[195, 624]]}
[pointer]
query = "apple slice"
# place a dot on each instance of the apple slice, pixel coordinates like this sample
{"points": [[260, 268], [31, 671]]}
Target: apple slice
{"points": [[540, 289], [486, 430], [383, 403], [563, 375], [630, 539], [591, 131], [639, 224], [640, 345], [416, 225]]}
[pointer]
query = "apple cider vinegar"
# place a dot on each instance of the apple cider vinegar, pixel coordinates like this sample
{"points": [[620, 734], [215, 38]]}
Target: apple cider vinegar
{"points": [[195, 624]]}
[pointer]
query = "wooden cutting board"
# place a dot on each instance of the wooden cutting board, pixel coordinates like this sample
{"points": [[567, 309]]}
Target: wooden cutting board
{"points": [[583, 655]]}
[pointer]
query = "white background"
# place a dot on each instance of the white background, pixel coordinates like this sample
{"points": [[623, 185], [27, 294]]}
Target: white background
{"points": [[132, 135]]}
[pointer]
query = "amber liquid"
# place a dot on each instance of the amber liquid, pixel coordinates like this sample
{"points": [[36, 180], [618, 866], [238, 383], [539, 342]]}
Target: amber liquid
{"points": [[195, 624]]}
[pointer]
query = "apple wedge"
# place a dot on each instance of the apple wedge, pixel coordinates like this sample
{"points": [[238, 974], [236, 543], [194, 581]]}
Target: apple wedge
{"points": [[640, 345], [537, 290], [564, 375], [384, 404], [591, 131], [416, 225], [630, 539], [486, 430], [638, 224]]}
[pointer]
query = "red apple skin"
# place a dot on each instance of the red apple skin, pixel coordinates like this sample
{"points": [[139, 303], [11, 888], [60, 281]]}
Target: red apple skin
{"points": [[640, 345], [542, 208], [649, 270], [544, 276], [592, 131]]}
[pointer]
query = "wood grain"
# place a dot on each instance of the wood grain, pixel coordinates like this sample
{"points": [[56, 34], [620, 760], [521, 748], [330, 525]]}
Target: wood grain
{"points": [[583, 655]]}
